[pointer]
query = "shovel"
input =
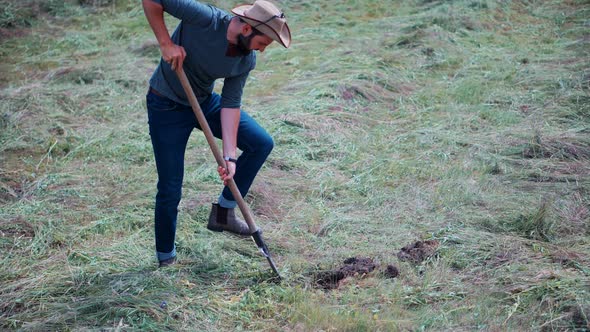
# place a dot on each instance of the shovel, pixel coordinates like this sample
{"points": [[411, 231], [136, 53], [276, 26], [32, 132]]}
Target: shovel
{"points": [[255, 233]]}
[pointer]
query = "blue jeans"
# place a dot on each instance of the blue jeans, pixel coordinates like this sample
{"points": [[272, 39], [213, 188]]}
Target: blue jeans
{"points": [[170, 125]]}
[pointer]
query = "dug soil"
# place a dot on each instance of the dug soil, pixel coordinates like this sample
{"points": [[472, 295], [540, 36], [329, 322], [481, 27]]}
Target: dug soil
{"points": [[418, 252], [353, 266]]}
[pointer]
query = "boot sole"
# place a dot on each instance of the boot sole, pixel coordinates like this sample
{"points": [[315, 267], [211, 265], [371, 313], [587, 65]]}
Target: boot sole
{"points": [[168, 262], [220, 230], [215, 229]]}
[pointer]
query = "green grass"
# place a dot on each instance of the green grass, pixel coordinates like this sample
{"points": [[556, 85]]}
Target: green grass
{"points": [[464, 122]]}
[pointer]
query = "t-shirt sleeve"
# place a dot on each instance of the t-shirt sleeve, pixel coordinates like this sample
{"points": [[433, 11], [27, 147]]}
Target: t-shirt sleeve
{"points": [[231, 94], [189, 11]]}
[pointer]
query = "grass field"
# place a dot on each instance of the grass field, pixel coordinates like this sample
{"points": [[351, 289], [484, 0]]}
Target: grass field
{"points": [[463, 123]]}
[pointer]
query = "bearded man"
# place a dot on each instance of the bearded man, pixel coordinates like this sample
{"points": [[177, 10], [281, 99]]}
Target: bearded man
{"points": [[209, 44]]}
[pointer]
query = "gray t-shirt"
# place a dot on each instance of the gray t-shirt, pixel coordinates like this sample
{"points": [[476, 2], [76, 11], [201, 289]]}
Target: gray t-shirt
{"points": [[203, 34]]}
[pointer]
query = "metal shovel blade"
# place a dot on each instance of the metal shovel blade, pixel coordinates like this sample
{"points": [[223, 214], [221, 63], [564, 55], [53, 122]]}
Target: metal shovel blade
{"points": [[257, 236]]}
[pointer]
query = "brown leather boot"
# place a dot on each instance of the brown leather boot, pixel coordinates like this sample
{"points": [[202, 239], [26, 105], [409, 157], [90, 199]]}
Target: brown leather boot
{"points": [[222, 219], [167, 262]]}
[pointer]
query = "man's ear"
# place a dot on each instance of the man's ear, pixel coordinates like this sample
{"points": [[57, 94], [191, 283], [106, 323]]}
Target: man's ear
{"points": [[246, 29]]}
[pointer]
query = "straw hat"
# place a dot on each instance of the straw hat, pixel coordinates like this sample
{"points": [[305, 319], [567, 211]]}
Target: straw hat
{"points": [[266, 18]]}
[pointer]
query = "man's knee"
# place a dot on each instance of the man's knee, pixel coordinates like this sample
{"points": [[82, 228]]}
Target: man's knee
{"points": [[169, 192], [266, 145]]}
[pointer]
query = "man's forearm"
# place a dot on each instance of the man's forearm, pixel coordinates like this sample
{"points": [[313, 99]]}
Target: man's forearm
{"points": [[230, 120], [154, 12]]}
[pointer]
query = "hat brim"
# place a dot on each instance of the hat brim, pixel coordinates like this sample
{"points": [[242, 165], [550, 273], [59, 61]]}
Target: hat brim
{"points": [[283, 37]]}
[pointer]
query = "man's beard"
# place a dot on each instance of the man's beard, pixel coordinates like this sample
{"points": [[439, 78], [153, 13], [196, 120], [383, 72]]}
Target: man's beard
{"points": [[244, 44]]}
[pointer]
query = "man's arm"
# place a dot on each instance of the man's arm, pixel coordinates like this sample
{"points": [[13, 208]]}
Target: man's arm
{"points": [[171, 53], [230, 120], [231, 98]]}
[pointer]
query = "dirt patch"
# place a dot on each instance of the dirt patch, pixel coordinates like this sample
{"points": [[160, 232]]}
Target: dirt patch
{"points": [[418, 252], [328, 279], [391, 271], [17, 227], [361, 265], [354, 266]]}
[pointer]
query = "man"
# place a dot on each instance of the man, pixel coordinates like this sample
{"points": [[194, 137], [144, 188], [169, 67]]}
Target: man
{"points": [[209, 44]]}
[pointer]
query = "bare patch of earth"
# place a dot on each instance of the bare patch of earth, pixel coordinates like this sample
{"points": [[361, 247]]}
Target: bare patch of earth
{"points": [[418, 252], [354, 266]]}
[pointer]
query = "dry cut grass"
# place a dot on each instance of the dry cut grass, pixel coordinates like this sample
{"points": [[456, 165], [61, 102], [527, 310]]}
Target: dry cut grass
{"points": [[462, 124]]}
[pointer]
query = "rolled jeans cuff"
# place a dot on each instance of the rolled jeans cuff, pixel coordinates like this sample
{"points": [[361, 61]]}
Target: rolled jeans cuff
{"points": [[162, 256], [226, 203]]}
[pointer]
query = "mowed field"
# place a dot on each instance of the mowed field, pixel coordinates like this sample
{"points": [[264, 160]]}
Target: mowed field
{"points": [[431, 171]]}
